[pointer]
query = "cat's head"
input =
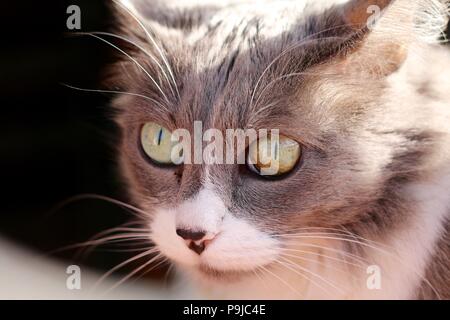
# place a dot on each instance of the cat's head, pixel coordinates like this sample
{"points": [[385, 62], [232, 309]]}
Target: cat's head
{"points": [[320, 74]]}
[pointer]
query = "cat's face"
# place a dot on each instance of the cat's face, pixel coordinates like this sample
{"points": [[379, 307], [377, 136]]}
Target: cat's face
{"points": [[224, 221]]}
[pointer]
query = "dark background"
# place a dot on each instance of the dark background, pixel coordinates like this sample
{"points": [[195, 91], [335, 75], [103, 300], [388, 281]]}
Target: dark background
{"points": [[56, 142]]}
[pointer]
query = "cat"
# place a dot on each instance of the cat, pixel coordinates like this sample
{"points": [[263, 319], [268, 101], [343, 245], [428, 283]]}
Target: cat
{"points": [[362, 92]]}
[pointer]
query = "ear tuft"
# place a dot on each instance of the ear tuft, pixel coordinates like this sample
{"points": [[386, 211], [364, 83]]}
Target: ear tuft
{"points": [[428, 19], [390, 30]]}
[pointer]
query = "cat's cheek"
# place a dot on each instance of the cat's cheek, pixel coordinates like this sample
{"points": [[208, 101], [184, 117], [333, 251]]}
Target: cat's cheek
{"points": [[172, 246]]}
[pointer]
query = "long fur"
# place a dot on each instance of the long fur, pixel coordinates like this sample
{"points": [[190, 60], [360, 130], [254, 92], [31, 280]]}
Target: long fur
{"points": [[371, 108]]}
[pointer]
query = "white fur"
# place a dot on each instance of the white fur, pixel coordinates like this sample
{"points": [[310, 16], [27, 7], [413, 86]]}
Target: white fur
{"points": [[413, 246], [237, 245]]}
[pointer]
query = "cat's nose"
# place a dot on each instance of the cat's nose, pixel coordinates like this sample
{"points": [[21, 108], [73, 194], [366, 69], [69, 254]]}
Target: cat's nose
{"points": [[195, 240], [187, 234]]}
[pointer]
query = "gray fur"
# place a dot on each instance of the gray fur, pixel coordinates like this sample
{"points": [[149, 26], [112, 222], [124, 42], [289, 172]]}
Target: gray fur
{"points": [[369, 124]]}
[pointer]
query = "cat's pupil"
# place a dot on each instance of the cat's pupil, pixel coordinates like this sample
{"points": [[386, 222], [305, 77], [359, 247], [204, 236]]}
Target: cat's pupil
{"points": [[160, 134]]}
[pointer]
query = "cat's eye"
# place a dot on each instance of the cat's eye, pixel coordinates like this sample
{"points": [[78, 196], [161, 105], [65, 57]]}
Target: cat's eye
{"points": [[273, 156], [156, 141]]}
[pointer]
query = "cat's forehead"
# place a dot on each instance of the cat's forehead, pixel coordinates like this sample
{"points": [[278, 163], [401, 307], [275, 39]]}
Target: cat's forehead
{"points": [[211, 26], [232, 62], [246, 21], [211, 29], [239, 66]]}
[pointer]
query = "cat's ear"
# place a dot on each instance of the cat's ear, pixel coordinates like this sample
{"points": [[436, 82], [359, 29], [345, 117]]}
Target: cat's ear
{"points": [[361, 14], [386, 27], [386, 31]]}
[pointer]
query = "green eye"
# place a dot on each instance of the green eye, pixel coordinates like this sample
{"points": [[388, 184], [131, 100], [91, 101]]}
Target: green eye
{"points": [[273, 157], [157, 143]]}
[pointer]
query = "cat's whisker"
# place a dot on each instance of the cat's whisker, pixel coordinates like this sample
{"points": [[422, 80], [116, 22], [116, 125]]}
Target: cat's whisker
{"points": [[125, 227], [112, 230], [122, 264], [336, 237], [326, 237], [153, 267], [138, 242], [266, 107], [85, 251], [148, 54], [355, 238], [346, 271], [91, 196], [133, 60], [290, 268], [304, 41], [115, 92], [140, 249], [266, 270], [343, 229], [375, 248], [118, 243], [260, 277], [344, 261], [132, 273], [168, 272], [341, 252], [294, 74], [110, 239], [150, 37], [290, 75], [328, 282], [346, 233], [306, 232], [121, 228]]}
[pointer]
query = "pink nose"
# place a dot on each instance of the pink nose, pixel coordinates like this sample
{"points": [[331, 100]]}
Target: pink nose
{"points": [[195, 239]]}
